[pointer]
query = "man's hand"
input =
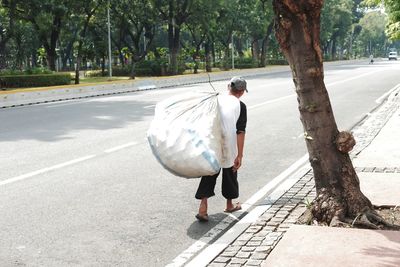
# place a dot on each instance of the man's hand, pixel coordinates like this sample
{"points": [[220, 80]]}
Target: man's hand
{"points": [[237, 163]]}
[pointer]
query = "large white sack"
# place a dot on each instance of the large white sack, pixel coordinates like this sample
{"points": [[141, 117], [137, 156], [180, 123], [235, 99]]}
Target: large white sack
{"points": [[185, 134]]}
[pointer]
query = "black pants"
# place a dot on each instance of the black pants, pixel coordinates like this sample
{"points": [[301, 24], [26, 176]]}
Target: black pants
{"points": [[230, 186]]}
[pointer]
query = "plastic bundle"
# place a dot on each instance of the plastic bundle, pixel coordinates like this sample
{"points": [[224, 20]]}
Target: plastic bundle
{"points": [[185, 134]]}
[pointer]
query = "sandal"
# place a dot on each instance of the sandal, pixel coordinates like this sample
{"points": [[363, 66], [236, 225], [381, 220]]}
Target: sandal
{"points": [[235, 208], [202, 218]]}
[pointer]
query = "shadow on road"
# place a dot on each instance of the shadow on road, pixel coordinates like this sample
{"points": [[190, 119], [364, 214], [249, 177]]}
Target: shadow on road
{"points": [[58, 121], [198, 229]]}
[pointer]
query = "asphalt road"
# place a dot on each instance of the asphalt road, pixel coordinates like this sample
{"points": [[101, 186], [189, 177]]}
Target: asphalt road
{"points": [[80, 187]]}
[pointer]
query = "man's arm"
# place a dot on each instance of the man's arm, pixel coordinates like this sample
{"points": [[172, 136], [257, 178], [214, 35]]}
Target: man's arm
{"points": [[240, 144]]}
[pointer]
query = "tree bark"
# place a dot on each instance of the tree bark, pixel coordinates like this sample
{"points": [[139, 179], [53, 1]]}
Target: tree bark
{"points": [[213, 53], [133, 69], [173, 37], [103, 65], [208, 56], [297, 29], [3, 56], [255, 50]]}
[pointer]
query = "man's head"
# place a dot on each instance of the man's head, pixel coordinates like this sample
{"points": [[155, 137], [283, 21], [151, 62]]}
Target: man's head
{"points": [[237, 85]]}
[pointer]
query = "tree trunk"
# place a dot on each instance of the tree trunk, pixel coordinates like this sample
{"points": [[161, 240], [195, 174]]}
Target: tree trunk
{"points": [[255, 50], [67, 53], [3, 63], [239, 48], [103, 66], [208, 56], [34, 59], [333, 52], [213, 54], [265, 44], [133, 71], [51, 59], [77, 68], [339, 197], [121, 57], [78, 61], [173, 40], [19, 58]]}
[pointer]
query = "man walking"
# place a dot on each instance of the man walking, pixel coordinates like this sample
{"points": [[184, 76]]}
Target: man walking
{"points": [[234, 119]]}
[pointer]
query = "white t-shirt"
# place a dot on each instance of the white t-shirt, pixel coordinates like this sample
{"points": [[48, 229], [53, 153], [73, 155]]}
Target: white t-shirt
{"points": [[229, 107]]}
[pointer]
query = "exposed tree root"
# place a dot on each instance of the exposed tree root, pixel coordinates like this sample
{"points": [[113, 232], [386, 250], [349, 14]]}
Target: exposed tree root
{"points": [[372, 220], [377, 207], [368, 220], [327, 209], [362, 221]]}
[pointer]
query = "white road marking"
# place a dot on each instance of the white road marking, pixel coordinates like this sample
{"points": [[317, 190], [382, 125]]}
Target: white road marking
{"points": [[328, 84], [59, 104], [61, 165], [120, 147], [147, 87], [385, 95], [271, 101], [34, 173], [354, 77]]}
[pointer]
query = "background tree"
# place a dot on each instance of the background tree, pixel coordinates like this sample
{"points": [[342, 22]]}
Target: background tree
{"points": [[66, 42], [138, 18], [259, 26], [23, 46], [339, 198], [87, 10], [372, 33], [175, 13], [52, 30], [201, 25], [7, 18], [336, 21], [392, 8], [47, 18], [231, 24], [99, 42]]}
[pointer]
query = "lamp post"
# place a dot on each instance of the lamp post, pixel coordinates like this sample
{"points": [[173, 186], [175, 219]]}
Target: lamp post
{"points": [[109, 40]]}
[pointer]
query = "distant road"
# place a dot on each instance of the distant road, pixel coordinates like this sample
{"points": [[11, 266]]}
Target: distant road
{"points": [[80, 187]]}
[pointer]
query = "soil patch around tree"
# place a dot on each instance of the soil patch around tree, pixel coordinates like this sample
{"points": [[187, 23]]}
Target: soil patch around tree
{"points": [[391, 214]]}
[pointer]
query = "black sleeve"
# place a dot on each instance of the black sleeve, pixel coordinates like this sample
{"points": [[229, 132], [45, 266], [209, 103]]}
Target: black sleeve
{"points": [[242, 121]]}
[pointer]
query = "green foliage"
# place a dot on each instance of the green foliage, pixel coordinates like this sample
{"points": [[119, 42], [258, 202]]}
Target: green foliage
{"points": [[43, 32], [152, 67], [94, 73], [155, 67], [30, 71], [245, 63], [373, 32], [392, 8], [277, 62], [336, 22], [119, 71], [20, 81]]}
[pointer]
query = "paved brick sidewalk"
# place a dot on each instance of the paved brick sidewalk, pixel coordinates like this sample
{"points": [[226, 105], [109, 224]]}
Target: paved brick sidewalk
{"points": [[254, 245]]}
